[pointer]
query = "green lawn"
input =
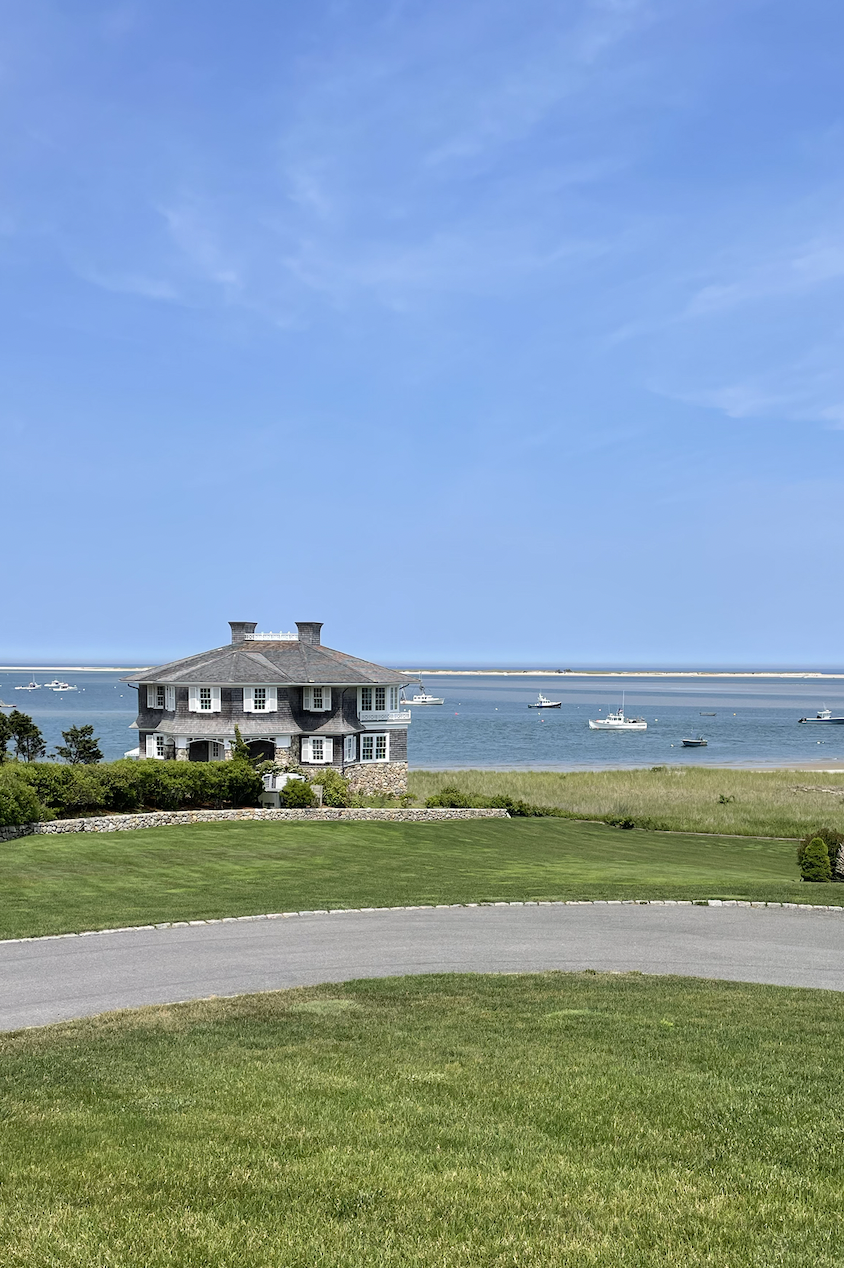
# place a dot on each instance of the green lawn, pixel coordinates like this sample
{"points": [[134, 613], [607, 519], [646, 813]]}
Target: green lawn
{"points": [[443, 1122], [56, 884], [777, 803]]}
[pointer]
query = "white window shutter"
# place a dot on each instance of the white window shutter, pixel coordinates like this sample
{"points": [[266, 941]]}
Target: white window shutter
{"points": [[152, 694], [326, 699], [306, 749], [193, 699], [307, 698], [248, 699], [328, 750], [387, 742], [272, 699], [150, 746], [216, 703], [170, 698]]}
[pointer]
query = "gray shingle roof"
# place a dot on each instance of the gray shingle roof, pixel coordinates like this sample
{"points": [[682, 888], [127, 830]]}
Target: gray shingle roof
{"points": [[284, 663]]}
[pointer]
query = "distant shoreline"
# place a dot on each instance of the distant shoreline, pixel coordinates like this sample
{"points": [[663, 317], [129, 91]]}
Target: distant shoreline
{"points": [[72, 669], [619, 673]]}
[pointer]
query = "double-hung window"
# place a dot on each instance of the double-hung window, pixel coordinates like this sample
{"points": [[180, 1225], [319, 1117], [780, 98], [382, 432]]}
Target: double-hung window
{"points": [[316, 699], [374, 748], [161, 697], [204, 700], [379, 699], [260, 699], [156, 745], [317, 748], [350, 748]]}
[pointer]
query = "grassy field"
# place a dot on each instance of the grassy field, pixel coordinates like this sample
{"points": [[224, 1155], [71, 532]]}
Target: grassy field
{"points": [[444, 1122], [680, 799], [57, 884]]}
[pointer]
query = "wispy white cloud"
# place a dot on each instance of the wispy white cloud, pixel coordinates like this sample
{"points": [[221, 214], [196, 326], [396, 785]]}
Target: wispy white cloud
{"points": [[130, 284]]}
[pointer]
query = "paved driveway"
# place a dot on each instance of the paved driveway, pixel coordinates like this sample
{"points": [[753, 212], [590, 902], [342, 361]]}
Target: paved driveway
{"points": [[53, 979]]}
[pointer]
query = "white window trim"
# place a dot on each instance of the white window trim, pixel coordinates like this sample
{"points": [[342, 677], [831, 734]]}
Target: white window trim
{"points": [[350, 748], [193, 700], [391, 699], [327, 750], [308, 699], [374, 736], [271, 705]]}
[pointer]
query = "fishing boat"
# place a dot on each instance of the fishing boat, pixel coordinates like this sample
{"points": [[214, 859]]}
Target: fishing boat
{"points": [[700, 742], [617, 722], [703, 714], [422, 697], [61, 686], [824, 715], [30, 686], [542, 702]]}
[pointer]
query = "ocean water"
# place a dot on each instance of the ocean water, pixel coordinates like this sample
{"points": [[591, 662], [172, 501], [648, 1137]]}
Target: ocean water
{"points": [[485, 721]]}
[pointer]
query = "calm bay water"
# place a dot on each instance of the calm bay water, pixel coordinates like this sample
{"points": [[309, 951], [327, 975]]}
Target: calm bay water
{"points": [[485, 722]]}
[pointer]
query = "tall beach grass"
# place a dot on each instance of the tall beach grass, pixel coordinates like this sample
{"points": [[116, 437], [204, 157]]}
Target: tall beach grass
{"points": [[778, 803]]}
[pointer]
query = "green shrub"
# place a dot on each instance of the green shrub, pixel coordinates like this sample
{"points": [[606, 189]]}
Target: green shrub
{"points": [[297, 794], [125, 786], [335, 789], [814, 864], [450, 798], [833, 841], [19, 801]]}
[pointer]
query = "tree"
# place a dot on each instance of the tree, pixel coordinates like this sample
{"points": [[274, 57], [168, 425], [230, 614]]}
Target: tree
{"points": [[240, 749], [833, 841], [29, 742], [81, 747], [815, 862], [5, 735]]}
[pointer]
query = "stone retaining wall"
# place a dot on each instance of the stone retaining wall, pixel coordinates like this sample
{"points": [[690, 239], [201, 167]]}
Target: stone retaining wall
{"points": [[170, 818]]}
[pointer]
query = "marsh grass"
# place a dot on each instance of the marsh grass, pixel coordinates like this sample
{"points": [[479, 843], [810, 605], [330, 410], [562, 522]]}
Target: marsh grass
{"points": [[439, 1122], [679, 799]]}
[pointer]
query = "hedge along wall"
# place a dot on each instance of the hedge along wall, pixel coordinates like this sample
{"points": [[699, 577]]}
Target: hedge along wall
{"points": [[170, 818], [36, 791]]}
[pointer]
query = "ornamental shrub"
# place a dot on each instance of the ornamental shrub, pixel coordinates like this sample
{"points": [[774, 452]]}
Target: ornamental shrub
{"points": [[297, 794], [335, 789], [814, 865], [833, 841]]}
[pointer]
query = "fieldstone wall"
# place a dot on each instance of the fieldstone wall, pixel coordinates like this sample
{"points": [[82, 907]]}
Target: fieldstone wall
{"points": [[170, 818], [371, 779]]}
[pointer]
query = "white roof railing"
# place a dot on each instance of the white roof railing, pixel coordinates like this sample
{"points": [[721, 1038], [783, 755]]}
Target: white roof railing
{"points": [[268, 637]]}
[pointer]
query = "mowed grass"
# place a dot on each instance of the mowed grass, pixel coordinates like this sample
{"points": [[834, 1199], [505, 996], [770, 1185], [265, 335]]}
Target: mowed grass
{"points": [[442, 1122], [681, 799], [59, 884]]}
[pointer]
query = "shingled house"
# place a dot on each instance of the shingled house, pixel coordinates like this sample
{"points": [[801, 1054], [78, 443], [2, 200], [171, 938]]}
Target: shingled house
{"points": [[295, 702]]}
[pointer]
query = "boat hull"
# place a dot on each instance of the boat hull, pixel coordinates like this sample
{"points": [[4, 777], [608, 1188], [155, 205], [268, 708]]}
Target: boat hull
{"points": [[617, 726], [820, 721], [558, 704]]}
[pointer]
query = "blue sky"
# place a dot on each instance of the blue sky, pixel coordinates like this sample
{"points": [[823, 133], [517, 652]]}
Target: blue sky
{"points": [[483, 332]]}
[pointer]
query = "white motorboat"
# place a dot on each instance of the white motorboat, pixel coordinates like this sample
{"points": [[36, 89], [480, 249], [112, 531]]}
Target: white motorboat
{"points": [[700, 742], [61, 686], [618, 722], [824, 715], [30, 686], [542, 702], [422, 697]]}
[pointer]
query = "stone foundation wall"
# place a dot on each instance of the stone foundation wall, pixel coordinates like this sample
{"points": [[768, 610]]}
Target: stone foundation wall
{"points": [[370, 779], [171, 818]]}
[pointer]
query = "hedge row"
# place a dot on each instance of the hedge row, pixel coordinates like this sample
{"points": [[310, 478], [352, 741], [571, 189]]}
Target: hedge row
{"points": [[30, 791]]}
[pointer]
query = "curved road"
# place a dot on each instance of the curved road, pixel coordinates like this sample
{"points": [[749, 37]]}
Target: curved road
{"points": [[54, 979]]}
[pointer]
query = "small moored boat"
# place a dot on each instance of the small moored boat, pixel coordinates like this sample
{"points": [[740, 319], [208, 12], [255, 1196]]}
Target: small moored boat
{"points": [[618, 722], [823, 715], [542, 702], [422, 697], [700, 742], [30, 686]]}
